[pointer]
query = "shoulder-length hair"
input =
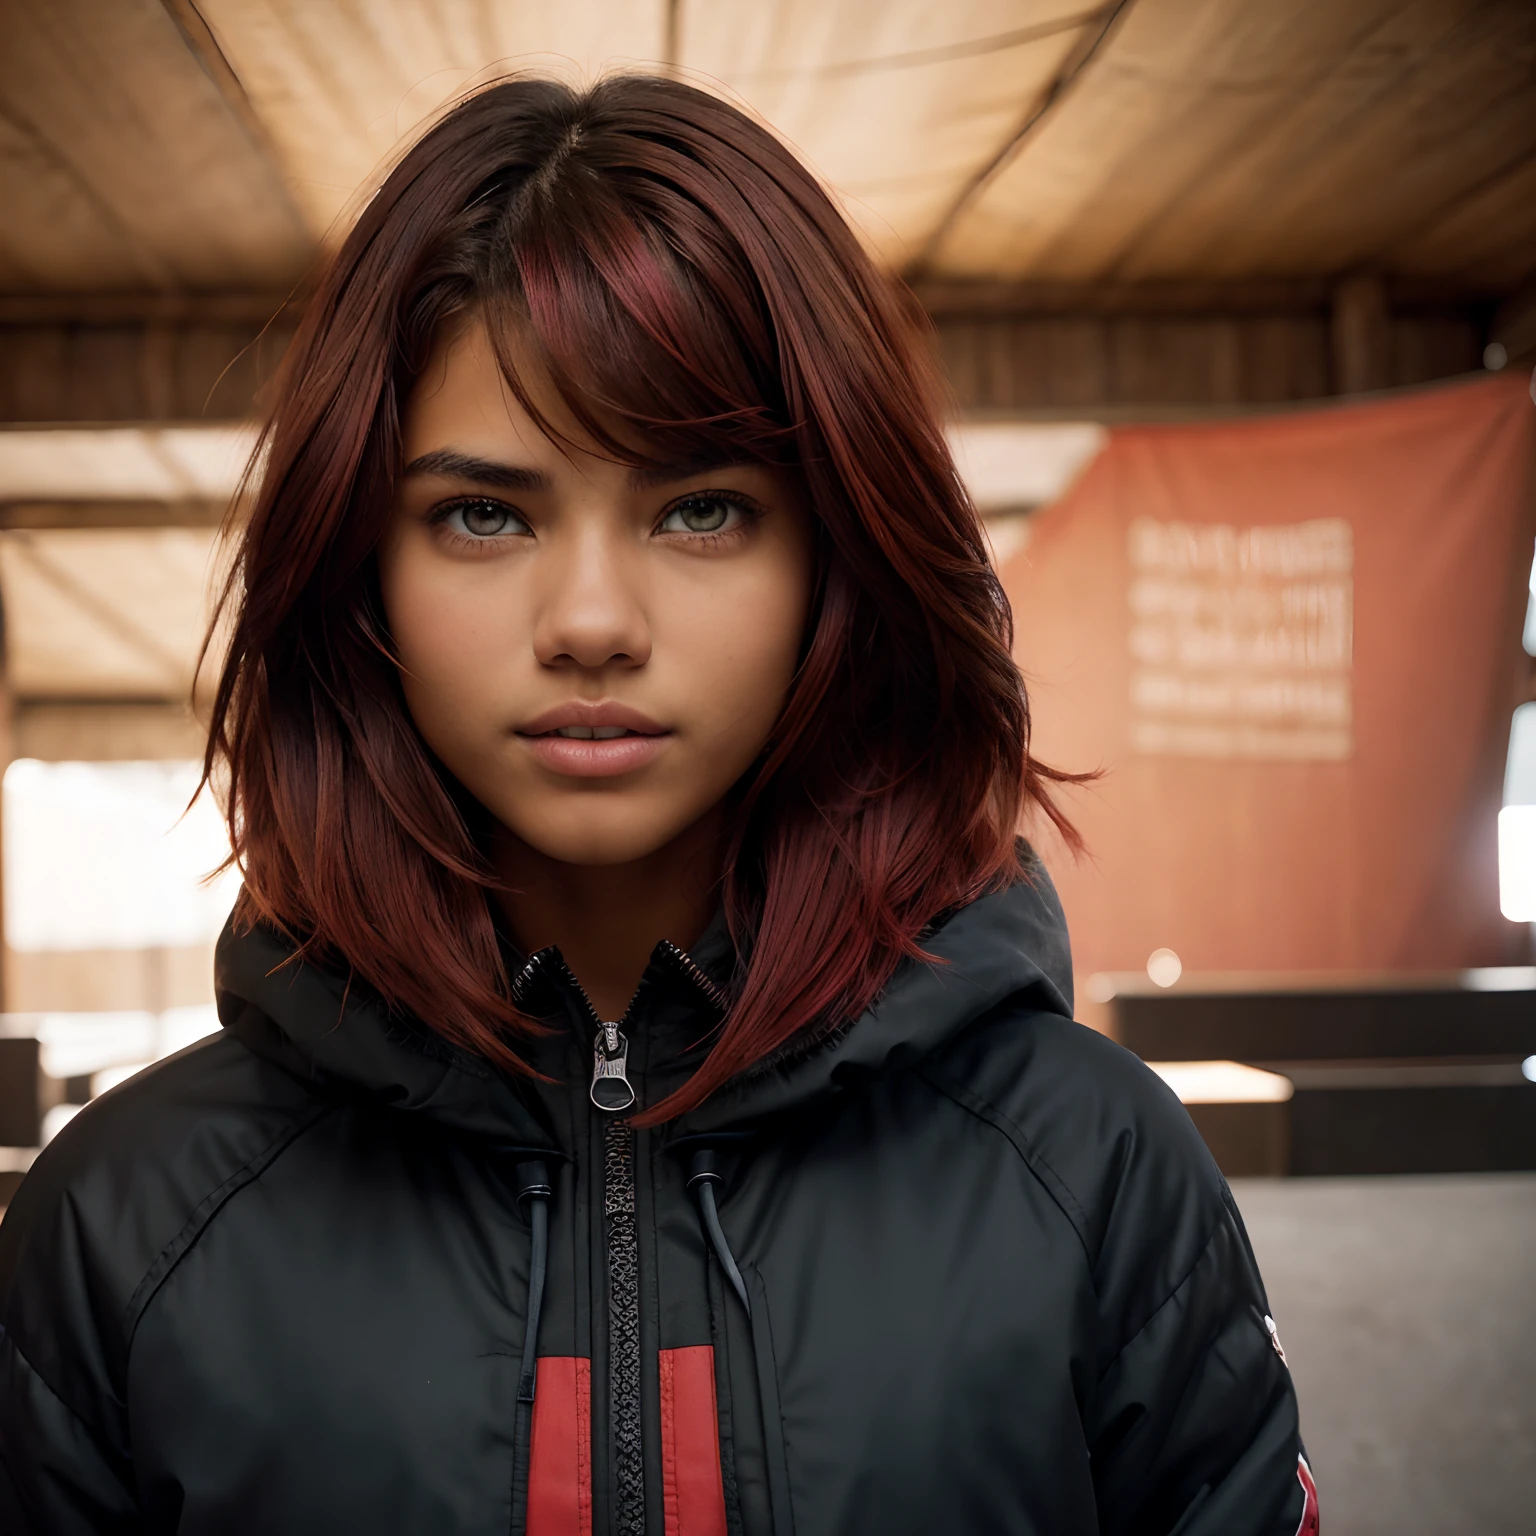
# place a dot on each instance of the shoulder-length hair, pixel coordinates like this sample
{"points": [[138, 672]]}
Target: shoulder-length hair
{"points": [[686, 284]]}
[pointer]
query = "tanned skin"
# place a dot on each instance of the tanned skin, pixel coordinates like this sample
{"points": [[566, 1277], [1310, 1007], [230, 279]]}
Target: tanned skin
{"points": [[535, 588]]}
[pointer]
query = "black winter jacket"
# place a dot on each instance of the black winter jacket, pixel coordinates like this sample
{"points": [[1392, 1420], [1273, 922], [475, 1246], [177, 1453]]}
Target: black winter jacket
{"points": [[965, 1267]]}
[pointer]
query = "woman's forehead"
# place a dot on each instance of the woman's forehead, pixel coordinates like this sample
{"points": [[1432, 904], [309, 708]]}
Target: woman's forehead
{"points": [[464, 402]]}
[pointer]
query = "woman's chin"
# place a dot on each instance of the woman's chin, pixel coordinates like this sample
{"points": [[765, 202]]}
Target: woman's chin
{"points": [[597, 830]]}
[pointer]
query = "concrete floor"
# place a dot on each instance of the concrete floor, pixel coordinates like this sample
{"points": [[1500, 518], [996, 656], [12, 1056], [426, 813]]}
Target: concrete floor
{"points": [[1407, 1307]]}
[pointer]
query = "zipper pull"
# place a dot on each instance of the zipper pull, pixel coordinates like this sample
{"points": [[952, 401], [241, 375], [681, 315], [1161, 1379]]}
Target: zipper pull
{"points": [[611, 1090]]}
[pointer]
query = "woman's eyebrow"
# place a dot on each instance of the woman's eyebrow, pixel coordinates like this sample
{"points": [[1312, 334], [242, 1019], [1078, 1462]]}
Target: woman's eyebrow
{"points": [[650, 477], [452, 464]]}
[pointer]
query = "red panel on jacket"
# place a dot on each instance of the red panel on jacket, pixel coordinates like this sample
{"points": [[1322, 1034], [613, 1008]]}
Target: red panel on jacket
{"points": [[693, 1495], [1310, 1524], [560, 1457]]}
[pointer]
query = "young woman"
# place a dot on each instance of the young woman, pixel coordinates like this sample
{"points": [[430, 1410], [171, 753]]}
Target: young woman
{"points": [[648, 1099]]}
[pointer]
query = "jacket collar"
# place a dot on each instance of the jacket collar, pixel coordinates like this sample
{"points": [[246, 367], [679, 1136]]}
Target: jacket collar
{"points": [[314, 1023]]}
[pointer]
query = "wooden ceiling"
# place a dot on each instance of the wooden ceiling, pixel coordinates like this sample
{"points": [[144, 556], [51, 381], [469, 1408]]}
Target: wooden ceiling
{"points": [[1224, 139], [1055, 175], [173, 147], [122, 166], [105, 613]]}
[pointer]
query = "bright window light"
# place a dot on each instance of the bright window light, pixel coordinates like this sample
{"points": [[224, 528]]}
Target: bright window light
{"points": [[101, 856], [1500, 978], [87, 1044], [1022, 464], [1530, 615], [1517, 821], [1517, 863], [110, 463], [1223, 1082]]}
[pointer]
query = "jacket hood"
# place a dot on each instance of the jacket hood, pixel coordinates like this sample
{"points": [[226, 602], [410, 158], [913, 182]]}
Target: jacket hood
{"points": [[320, 1027], [1008, 945]]}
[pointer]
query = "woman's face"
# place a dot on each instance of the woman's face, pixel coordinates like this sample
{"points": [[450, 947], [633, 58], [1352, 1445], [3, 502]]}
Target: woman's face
{"points": [[596, 653]]}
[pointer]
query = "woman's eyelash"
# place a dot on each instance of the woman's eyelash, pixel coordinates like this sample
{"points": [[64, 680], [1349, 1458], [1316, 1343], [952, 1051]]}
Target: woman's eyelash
{"points": [[744, 506], [497, 519], [489, 510]]}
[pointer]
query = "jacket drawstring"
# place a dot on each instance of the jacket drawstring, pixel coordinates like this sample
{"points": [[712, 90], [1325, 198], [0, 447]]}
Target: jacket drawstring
{"points": [[533, 1195], [703, 1175]]}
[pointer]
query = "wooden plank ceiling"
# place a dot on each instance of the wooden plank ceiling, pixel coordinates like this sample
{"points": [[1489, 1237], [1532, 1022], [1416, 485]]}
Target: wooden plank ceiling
{"points": [[171, 146], [1222, 139], [122, 166], [96, 614], [169, 168]]}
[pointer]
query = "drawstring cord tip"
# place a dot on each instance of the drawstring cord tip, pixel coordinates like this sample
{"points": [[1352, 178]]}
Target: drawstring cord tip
{"points": [[703, 1175]]}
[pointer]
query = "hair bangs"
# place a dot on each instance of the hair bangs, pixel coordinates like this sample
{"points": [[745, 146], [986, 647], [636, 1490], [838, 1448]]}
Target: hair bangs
{"points": [[661, 353]]}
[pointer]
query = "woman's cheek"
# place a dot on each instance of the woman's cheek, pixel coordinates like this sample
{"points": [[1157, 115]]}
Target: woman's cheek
{"points": [[735, 648], [455, 634]]}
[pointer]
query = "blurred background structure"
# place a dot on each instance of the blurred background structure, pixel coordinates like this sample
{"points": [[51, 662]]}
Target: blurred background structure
{"points": [[1238, 306]]}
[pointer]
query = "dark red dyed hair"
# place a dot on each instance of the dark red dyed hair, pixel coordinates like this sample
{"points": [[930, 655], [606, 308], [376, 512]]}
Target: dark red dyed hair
{"points": [[689, 287]]}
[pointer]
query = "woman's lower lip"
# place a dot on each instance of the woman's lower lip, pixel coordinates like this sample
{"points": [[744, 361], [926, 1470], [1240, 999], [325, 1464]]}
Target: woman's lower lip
{"points": [[593, 759]]}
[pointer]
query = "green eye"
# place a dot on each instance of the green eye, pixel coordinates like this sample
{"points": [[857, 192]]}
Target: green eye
{"points": [[702, 514], [483, 519]]}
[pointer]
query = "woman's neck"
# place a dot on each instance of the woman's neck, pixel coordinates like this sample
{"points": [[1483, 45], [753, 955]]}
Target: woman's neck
{"points": [[607, 918]]}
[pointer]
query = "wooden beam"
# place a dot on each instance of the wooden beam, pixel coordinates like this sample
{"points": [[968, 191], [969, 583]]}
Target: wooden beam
{"points": [[944, 299], [49, 515], [7, 753], [141, 369], [1097, 28], [1127, 366], [1514, 324], [1298, 296], [1361, 335], [76, 730], [253, 307], [204, 47], [672, 36]]}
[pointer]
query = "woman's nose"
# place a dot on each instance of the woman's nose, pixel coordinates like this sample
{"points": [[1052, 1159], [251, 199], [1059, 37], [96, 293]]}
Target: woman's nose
{"points": [[589, 613]]}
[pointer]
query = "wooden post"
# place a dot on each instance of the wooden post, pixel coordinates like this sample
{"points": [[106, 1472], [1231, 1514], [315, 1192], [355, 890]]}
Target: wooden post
{"points": [[1514, 325], [6, 747], [1361, 335]]}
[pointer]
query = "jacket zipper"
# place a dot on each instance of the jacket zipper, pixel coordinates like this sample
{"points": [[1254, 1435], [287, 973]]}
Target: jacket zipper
{"points": [[612, 1093], [623, 1327]]}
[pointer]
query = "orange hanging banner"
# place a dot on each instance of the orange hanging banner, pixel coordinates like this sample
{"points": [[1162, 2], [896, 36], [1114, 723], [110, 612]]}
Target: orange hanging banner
{"points": [[1293, 644]]}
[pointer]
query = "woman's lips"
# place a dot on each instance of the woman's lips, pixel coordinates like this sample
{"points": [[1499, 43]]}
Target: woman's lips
{"points": [[593, 758], [593, 740]]}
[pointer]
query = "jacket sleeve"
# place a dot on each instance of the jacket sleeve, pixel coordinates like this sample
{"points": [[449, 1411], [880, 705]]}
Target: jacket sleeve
{"points": [[65, 1464], [1193, 1425], [56, 1478]]}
